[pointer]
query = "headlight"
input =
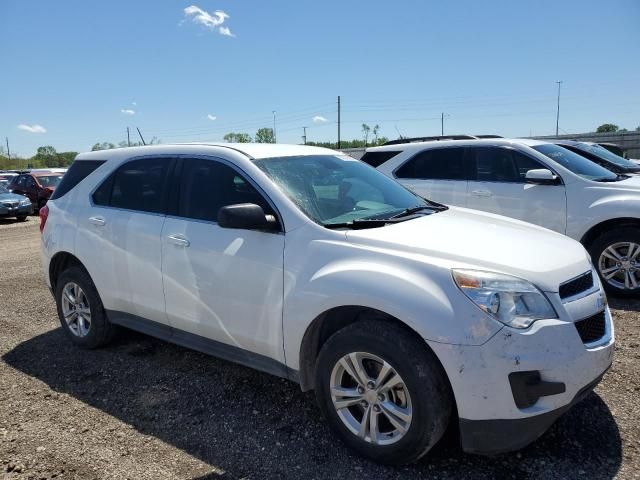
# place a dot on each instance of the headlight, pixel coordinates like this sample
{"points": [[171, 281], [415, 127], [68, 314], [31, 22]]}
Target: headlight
{"points": [[510, 300], [25, 202]]}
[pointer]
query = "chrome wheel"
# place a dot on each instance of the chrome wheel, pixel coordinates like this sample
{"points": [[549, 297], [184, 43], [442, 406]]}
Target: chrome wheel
{"points": [[371, 398], [76, 310], [619, 264]]}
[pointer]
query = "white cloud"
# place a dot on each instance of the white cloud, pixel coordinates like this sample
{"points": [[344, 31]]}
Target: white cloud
{"points": [[35, 128], [211, 117], [134, 103], [127, 111], [226, 32], [211, 21], [319, 119]]}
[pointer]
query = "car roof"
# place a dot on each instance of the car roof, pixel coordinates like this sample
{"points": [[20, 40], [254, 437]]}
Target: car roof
{"points": [[450, 143], [252, 150]]}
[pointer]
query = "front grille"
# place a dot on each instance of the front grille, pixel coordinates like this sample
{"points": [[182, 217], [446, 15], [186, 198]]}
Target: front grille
{"points": [[592, 328], [10, 204], [576, 286]]}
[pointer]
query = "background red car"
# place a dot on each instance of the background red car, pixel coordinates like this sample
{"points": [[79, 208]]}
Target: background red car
{"points": [[37, 186]]}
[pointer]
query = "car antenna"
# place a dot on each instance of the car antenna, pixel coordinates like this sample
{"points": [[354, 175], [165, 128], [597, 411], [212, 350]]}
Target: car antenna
{"points": [[401, 137], [143, 142]]}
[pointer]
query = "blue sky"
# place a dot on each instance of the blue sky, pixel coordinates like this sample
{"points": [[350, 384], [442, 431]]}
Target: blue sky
{"points": [[75, 68]]}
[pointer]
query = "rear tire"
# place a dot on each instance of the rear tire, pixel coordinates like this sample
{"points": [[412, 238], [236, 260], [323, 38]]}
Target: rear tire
{"points": [[616, 254], [80, 310], [409, 418]]}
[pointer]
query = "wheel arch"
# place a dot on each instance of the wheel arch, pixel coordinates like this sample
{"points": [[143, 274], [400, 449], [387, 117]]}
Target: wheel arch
{"points": [[59, 263], [333, 320], [595, 231]]}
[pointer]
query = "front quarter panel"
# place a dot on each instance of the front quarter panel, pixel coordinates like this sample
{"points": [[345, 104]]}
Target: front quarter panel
{"points": [[330, 272], [591, 205]]}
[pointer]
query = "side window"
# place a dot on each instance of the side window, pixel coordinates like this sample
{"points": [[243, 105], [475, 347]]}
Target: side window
{"points": [[436, 164], [21, 182], [206, 186], [137, 185], [29, 182], [494, 164], [524, 163]]}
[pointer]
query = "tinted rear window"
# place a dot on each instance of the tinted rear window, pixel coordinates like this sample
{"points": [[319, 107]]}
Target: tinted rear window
{"points": [[436, 164], [375, 159], [77, 172]]}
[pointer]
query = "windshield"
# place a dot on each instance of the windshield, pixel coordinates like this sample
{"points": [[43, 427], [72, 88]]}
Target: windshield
{"points": [[332, 189], [608, 156], [49, 180], [576, 163], [3, 188]]}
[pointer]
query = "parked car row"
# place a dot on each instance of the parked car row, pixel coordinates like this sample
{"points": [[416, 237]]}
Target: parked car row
{"points": [[580, 190], [403, 314]]}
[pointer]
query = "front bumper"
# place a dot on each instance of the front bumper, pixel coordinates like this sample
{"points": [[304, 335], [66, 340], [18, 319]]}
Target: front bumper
{"points": [[493, 418], [16, 211]]}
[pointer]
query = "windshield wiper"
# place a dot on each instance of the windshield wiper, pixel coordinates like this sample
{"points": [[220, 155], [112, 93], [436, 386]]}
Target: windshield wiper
{"points": [[358, 224], [410, 211], [618, 178]]}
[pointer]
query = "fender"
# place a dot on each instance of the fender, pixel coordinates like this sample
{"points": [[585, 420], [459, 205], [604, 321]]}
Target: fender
{"points": [[623, 206], [399, 289]]}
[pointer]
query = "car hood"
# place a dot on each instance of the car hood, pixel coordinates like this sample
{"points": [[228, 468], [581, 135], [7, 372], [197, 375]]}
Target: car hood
{"points": [[466, 238], [12, 197]]}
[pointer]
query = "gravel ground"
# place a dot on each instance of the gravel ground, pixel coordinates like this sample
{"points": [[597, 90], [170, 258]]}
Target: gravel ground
{"points": [[143, 408]]}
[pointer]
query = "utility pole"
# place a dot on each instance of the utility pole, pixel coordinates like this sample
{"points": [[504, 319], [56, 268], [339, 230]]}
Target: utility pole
{"points": [[338, 122], [304, 135], [128, 138], [8, 149], [143, 142], [275, 139], [559, 82], [442, 124]]}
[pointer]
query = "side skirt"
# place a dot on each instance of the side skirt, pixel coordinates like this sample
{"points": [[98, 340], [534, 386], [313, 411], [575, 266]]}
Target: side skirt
{"points": [[202, 344]]}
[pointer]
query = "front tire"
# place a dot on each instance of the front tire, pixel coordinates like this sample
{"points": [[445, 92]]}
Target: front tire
{"points": [[616, 255], [80, 310], [383, 391], [21, 218]]}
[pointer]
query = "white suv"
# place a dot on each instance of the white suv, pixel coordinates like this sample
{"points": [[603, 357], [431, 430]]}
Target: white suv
{"points": [[402, 314], [534, 181]]}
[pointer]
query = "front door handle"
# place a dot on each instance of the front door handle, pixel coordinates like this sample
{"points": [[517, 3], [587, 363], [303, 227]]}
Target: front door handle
{"points": [[98, 221], [481, 193], [179, 240]]}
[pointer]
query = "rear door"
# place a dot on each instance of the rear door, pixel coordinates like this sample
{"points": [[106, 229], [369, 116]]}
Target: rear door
{"points": [[120, 233], [439, 174], [498, 185]]}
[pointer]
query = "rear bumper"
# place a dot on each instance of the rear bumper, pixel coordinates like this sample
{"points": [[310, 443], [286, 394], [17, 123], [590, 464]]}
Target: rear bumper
{"points": [[491, 437]]}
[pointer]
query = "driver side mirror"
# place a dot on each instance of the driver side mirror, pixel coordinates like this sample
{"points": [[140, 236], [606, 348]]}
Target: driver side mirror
{"points": [[246, 216], [542, 176]]}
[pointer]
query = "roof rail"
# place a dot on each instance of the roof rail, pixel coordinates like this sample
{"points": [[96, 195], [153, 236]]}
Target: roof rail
{"points": [[429, 139], [488, 136]]}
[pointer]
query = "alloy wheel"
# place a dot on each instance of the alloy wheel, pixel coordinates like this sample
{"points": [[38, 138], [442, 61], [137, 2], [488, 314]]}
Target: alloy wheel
{"points": [[619, 265], [371, 398], [76, 310]]}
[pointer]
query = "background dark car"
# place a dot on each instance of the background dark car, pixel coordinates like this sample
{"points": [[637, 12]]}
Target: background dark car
{"points": [[14, 205], [38, 187], [600, 155]]}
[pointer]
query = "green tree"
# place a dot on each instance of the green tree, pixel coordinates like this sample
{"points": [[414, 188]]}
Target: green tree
{"points": [[232, 137], [365, 132], [102, 146], [376, 130], [265, 135], [607, 128]]}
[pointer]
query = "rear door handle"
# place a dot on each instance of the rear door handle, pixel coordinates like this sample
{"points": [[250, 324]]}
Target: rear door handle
{"points": [[481, 193], [179, 240], [98, 221]]}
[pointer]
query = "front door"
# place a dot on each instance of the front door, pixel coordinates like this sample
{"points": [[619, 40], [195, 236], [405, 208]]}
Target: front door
{"points": [[224, 287], [499, 186]]}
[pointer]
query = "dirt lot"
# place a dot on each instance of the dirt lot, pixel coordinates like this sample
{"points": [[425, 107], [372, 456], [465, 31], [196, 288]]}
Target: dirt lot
{"points": [[143, 408]]}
